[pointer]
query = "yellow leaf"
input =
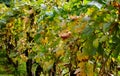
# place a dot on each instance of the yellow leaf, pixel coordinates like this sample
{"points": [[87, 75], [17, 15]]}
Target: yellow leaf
{"points": [[113, 59], [80, 28], [82, 57], [45, 40], [79, 56], [82, 68], [89, 68], [48, 65], [37, 59], [23, 57], [90, 11], [14, 59], [59, 52], [81, 65]]}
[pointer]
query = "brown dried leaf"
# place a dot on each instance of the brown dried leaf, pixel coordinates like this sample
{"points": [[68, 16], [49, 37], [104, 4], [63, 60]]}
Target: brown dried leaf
{"points": [[65, 35]]}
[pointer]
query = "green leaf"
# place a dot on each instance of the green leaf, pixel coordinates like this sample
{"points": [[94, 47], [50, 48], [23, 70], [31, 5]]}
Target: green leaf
{"points": [[100, 49], [2, 23], [96, 43], [43, 49], [89, 49], [116, 51], [103, 38], [106, 27], [13, 54], [87, 32], [36, 38]]}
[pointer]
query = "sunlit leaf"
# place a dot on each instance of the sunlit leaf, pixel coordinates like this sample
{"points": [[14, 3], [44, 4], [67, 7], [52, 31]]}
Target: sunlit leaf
{"points": [[98, 5], [43, 6]]}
